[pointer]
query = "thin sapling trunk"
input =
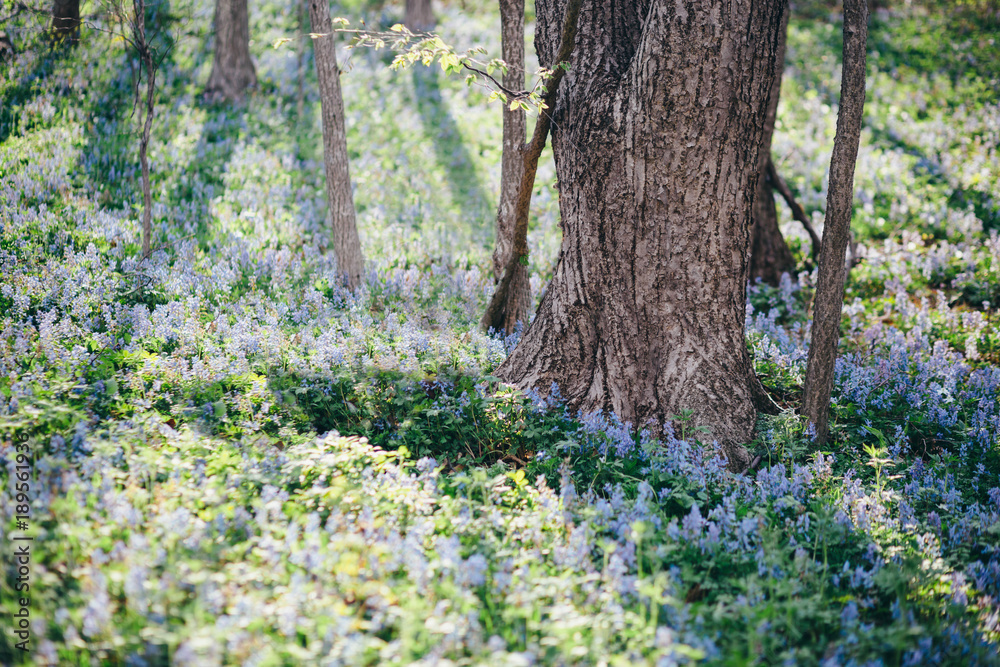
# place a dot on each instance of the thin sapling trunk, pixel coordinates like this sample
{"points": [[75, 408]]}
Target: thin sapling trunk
{"points": [[346, 242], [147, 63], [837, 228], [495, 316], [302, 11], [518, 302], [147, 127]]}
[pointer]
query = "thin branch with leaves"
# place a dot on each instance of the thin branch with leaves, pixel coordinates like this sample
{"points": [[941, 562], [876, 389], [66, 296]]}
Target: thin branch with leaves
{"points": [[427, 48]]}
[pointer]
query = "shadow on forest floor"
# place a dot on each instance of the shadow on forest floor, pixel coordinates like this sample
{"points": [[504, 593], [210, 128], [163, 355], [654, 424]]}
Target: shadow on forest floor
{"points": [[451, 152]]}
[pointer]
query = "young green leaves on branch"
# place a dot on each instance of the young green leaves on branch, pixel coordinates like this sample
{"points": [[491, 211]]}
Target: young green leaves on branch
{"points": [[426, 48]]}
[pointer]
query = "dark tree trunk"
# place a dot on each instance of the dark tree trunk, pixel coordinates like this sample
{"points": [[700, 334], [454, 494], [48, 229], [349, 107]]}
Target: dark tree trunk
{"points": [[769, 255], [232, 69], [657, 135], [419, 16], [837, 225], [346, 243], [517, 306], [65, 20], [7, 49]]}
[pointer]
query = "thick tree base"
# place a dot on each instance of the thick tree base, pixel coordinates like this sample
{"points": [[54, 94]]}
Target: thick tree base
{"points": [[600, 363], [645, 314]]}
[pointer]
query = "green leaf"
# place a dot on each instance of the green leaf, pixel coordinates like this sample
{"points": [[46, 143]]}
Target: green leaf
{"points": [[450, 62]]}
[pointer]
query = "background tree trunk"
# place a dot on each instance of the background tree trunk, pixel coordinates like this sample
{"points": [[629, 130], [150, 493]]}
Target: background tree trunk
{"points": [[518, 298], [147, 127], [419, 16], [769, 256], [837, 225], [657, 135], [140, 41], [66, 20], [302, 13], [346, 243], [232, 69]]}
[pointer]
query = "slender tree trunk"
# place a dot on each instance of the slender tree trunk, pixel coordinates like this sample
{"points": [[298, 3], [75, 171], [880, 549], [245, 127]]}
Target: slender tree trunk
{"points": [[657, 135], [769, 256], [147, 62], [302, 10], [346, 243], [419, 16], [496, 313], [147, 126], [517, 306], [232, 68], [65, 20], [837, 226]]}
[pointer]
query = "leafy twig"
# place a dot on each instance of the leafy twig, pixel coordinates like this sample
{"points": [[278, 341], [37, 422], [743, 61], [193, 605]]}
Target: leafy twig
{"points": [[427, 48]]}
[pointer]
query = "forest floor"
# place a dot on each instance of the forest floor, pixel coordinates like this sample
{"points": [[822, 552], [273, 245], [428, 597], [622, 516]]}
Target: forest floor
{"points": [[232, 460]]}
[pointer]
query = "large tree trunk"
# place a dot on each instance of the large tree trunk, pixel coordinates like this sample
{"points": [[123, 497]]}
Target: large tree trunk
{"points": [[346, 243], [657, 134], [232, 69], [832, 271], [65, 20], [517, 307], [419, 16], [769, 256]]}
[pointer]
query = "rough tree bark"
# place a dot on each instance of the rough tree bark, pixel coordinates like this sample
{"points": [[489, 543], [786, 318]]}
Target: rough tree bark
{"points": [[658, 129], [65, 20], [346, 243], [419, 16], [769, 255], [232, 69], [837, 225], [517, 306]]}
